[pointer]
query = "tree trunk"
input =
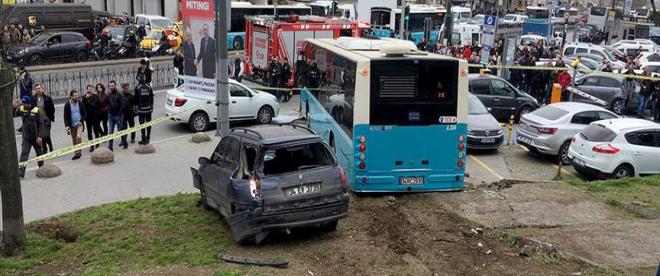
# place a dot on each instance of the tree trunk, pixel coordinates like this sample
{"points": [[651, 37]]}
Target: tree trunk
{"points": [[13, 229]]}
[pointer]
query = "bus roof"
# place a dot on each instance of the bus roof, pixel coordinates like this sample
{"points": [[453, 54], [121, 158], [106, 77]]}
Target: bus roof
{"points": [[361, 48]]}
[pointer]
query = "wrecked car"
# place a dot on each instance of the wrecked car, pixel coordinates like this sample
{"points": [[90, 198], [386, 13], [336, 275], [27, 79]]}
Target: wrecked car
{"points": [[272, 178]]}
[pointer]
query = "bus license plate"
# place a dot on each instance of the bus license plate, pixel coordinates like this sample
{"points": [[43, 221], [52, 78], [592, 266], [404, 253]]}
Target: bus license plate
{"points": [[303, 190], [411, 180]]}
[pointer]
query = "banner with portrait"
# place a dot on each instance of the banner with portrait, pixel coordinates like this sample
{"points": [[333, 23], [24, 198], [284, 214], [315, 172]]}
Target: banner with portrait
{"points": [[199, 46]]}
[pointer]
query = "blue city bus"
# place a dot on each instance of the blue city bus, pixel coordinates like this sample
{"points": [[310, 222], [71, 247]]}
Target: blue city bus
{"points": [[239, 10], [422, 18], [395, 117]]}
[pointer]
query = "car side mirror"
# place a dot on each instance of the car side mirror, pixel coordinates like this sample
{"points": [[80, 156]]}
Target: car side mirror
{"points": [[203, 161]]}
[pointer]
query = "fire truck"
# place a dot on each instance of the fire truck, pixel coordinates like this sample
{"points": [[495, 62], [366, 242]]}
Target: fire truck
{"points": [[268, 37]]}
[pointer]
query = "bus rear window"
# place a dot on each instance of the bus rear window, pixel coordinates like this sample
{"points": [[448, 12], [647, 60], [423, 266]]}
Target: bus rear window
{"points": [[413, 92]]}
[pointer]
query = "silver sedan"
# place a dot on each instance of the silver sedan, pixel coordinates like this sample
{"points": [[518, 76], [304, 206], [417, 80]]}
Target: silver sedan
{"points": [[549, 129]]}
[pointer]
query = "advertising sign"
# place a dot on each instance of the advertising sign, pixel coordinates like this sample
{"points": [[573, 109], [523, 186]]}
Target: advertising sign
{"points": [[260, 50], [199, 45], [488, 37]]}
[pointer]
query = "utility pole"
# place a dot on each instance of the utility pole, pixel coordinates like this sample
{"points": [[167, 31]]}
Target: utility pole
{"points": [[222, 10], [402, 23], [13, 228]]}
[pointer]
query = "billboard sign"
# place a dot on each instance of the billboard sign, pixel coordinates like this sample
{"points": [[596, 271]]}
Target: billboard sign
{"points": [[199, 45]]}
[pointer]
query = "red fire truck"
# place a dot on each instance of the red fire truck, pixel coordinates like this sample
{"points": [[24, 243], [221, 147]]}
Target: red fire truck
{"points": [[267, 37]]}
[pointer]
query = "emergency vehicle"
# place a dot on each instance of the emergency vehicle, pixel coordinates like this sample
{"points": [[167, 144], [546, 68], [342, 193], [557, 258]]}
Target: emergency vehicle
{"points": [[268, 37]]}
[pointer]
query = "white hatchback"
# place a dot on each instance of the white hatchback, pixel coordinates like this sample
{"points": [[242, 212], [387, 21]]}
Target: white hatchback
{"points": [[617, 148], [198, 109]]}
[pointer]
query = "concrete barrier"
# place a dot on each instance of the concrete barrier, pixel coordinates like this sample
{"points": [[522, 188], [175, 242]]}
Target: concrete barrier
{"points": [[59, 79]]}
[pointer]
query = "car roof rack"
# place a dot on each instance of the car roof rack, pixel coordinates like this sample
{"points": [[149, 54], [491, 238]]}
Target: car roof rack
{"points": [[245, 130], [294, 125]]}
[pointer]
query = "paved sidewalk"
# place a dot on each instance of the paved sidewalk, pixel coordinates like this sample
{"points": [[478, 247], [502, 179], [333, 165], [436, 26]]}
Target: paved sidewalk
{"points": [[131, 176]]}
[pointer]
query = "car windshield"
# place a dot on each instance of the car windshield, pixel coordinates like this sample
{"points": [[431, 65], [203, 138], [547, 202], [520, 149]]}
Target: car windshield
{"points": [[598, 133], [296, 158], [550, 112], [38, 39], [117, 33], [476, 107], [161, 24]]}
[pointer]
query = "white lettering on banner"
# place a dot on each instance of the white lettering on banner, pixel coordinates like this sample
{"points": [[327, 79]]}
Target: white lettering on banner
{"points": [[197, 84], [197, 5]]}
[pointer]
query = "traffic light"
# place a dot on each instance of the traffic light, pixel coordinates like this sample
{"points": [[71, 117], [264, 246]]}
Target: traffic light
{"points": [[406, 12]]}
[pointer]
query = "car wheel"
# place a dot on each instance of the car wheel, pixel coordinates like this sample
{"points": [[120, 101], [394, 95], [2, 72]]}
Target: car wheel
{"points": [[562, 156], [36, 60], [238, 43], [330, 226], [523, 110], [199, 122], [622, 171], [617, 106], [265, 115], [82, 56]]}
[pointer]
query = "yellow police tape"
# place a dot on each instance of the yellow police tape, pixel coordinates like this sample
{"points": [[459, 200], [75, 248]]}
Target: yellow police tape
{"points": [[87, 144], [552, 68]]}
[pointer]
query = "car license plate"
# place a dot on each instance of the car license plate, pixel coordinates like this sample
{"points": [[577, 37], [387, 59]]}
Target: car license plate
{"points": [[303, 190], [411, 180], [524, 139], [169, 101], [580, 162], [488, 140]]}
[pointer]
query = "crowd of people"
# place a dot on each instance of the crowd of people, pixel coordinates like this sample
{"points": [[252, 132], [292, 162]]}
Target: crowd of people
{"points": [[15, 34], [99, 112]]}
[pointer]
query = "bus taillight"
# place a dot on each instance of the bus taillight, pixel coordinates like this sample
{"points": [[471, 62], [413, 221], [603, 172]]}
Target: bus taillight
{"points": [[459, 163], [363, 147], [362, 165]]}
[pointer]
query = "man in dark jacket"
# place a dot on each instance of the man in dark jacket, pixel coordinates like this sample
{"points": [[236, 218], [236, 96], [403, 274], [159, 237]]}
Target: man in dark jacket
{"points": [[129, 113], [274, 76], [25, 82], [115, 112], [32, 132], [74, 116], [47, 114], [92, 104], [645, 92], [144, 99], [313, 75], [286, 75]]}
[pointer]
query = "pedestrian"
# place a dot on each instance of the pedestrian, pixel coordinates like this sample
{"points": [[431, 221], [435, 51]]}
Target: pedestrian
{"points": [[47, 115], [25, 82], [313, 75], [15, 35], [144, 72], [31, 137], [104, 42], [92, 104], [274, 75], [164, 44], [129, 113], [564, 80], [115, 112], [178, 62], [74, 116], [144, 100], [655, 108], [238, 70], [645, 92], [628, 87], [6, 38], [286, 75], [608, 66], [103, 107]]}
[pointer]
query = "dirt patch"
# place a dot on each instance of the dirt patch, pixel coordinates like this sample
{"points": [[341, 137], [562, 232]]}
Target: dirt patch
{"points": [[172, 271], [56, 230]]}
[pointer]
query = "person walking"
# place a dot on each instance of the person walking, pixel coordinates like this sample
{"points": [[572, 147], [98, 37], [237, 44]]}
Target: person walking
{"points": [[103, 107], [645, 92], [144, 100], [238, 68], [115, 112], [47, 115], [74, 116], [129, 113], [92, 103], [144, 72], [25, 82], [31, 137]]}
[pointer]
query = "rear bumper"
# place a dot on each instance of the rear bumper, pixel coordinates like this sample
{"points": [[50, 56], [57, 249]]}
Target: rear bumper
{"points": [[433, 182], [541, 145], [589, 171], [246, 224]]}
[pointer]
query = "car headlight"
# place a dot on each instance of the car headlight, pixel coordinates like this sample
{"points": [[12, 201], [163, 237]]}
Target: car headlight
{"points": [[22, 52], [500, 131]]}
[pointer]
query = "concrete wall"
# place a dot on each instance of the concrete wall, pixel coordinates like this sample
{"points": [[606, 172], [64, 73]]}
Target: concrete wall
{"points": [[59, 79]]}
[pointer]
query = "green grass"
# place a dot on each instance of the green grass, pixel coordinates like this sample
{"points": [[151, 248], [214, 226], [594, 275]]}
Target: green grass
{"points": [[128, 236], [644, 191]]}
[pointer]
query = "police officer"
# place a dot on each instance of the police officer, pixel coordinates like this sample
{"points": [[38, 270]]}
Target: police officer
{"points": [[144, 100], [274, 75], [313, 75], [286, 75], [32, 132]]}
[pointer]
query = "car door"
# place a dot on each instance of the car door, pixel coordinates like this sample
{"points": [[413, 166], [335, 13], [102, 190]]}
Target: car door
{"points": [[242, 102], [212, 172], [69, 46], [587, 85], [481, 89], [228, 173], [504, 98], [645, 151], [53, 48], [610, 89]]}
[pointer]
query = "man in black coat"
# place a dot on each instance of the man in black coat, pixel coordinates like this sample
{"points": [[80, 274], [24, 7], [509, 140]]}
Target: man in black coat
{"points": [[207, 52], [47, 114], [189, 54], [130, 109], [92, 105]]}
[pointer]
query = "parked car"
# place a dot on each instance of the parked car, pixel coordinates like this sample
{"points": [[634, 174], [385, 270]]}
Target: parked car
{"points": [[200, 109], [549, 129], [577, 48], [513, 18], [500, 97], [637, 42], [528, 40], [273, 177], [617, 148], [484, 132], [635, 50], [607, 88], [48, 47]]}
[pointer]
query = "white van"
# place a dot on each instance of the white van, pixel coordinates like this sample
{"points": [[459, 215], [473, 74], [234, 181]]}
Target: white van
{"points": [[513, 18], [461, 14], [153, 22]]}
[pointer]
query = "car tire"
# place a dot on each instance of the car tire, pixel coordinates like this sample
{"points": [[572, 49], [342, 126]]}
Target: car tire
{"points": [[617, 106], [562, 155], [238, 43], [623, 171], [265, 115], [82, 56], [36, 59], [330, 226], [522, 111], [199, 121]]}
